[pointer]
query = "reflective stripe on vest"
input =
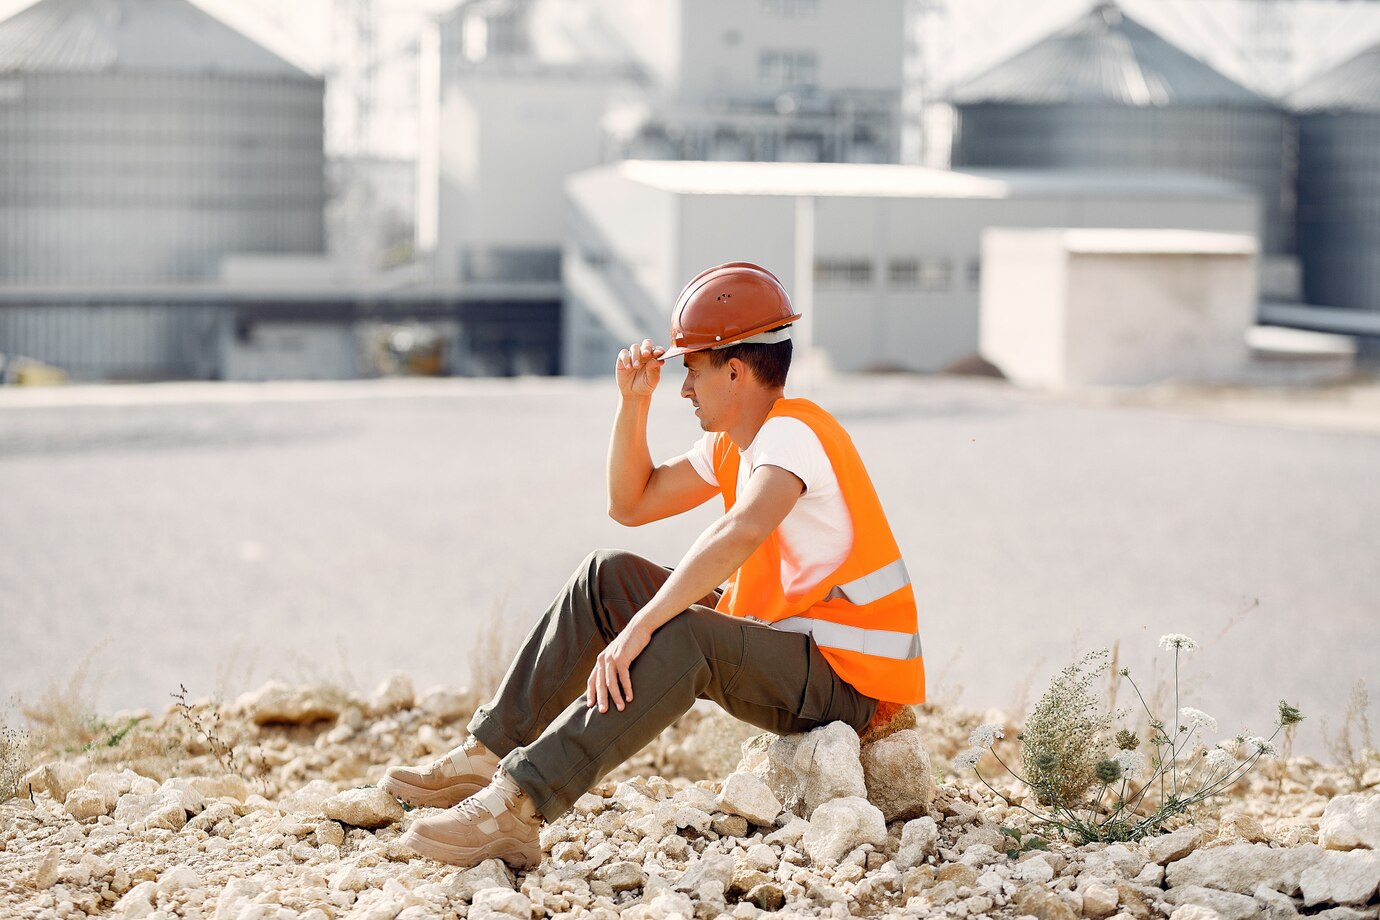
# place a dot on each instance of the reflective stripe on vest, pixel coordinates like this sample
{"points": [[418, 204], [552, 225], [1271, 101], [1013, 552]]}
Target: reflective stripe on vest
{"points": [[873, 586], [883, 643]]}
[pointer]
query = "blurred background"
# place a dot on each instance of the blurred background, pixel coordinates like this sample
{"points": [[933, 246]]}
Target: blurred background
{"points": [[1095, 285]]}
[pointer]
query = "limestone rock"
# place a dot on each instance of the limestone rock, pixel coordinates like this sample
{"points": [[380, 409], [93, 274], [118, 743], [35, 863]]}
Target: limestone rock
{"points": [[804, 771], [278, 702], [502, 901], [1350, 822], [1169, 847], [447, 704], [1099, 900], [747, 795], [82, 803], [393, 695], [1227, 905], [371, 807], [1194, 912], [1274, 905], [491, 873], [330, 833], [898, 775], [57, 779], [307, 799], [227, 785], [839, 826], [714, 868], [187, 794], [1236, 826], [1038, 901], [918, 839], [623, 875], [145, 812], [1242, 866], [1341, 878]]}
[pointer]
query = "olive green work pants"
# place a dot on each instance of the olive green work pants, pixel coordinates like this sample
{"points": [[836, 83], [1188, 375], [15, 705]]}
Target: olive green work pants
{"points": [[556, 748]]}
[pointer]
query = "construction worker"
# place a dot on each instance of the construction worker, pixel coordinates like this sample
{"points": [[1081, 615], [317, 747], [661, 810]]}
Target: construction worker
{"points": [[816, 624]]}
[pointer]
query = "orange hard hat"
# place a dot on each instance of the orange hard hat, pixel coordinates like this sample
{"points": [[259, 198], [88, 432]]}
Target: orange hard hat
{"points": [[726, 304]]}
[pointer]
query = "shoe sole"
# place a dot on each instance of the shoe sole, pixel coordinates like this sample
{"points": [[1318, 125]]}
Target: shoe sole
{"points": [[429, 798], [514, 852]]}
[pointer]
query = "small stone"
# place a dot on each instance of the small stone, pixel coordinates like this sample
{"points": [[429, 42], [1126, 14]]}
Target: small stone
{"points": [[715, 868], [1036, 869], [146, 812], [729, 825], [179, 878], [502, 901], [623, 875], [768, 896], [1194, 912], [747, 795], [1038, 901], [1099, 900], [491, 873], [1225, 904], [393, 695], [368, 808], [446, 704], [761, 856], [1169, 847], [918, 839], [82, 803], [46, 875], [330, 833], [1238, 826], [961, 875], [898, 775], [840, 826], [1350, 822]]}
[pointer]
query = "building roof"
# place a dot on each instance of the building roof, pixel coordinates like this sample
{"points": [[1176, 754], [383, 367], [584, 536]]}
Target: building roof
{"points": [[1104, 56], [160, 36], [1351, 86], [873, 180]]}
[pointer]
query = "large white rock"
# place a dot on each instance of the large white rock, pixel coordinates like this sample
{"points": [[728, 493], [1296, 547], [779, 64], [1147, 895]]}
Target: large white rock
{"points": [[1350, 822], [1099, 900], [503, 901], [307, 799], [1242, 866], [1226, 904], [1194, 912], [193, 802], [394, 694], [898, 775], [1274, 905], [1341, 878], [491, 873], [804, 771], [447, 704], [146, 812], [918, 839], [276, 701], [1169, 847], [371, 807], [745, 794], [839, 826]]}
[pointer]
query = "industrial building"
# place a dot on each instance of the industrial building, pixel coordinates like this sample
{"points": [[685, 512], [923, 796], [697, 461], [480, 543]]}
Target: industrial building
{"points": [[144, 139], [1107, 93], [1338, 116], [884, 260]]}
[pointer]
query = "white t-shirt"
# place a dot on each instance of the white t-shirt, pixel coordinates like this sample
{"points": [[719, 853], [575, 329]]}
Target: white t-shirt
{"points": [[815, 537]]}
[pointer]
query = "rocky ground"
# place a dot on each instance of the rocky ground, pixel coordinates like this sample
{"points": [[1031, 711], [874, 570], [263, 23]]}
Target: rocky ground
{"points": [[263, 810]]}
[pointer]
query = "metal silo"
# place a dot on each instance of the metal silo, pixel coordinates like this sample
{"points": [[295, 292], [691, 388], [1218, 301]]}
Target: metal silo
{"points": [[1105, 92], [1339, 184], [141, 140]]}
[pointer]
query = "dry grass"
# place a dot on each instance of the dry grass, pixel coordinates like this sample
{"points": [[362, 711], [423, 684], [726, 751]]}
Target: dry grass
{"points": [[1353, 747], [492, 652], [14, 758]]}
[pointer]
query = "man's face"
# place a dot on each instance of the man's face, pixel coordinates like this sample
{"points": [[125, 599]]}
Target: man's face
{"points": [[710, 389]]}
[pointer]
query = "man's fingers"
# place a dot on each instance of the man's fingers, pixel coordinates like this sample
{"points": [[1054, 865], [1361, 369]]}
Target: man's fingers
{"points": [[611, 678], [589, 688], [600, 693], [625, 678]]}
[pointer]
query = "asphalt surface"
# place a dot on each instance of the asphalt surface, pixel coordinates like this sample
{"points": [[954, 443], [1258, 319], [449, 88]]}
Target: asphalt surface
{"points": [[215, 536]]}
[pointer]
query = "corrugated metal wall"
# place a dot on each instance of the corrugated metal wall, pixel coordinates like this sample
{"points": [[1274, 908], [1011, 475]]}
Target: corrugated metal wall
{"points": [[1339, 208], [1243, 145], [117, 341], [127, 177]]}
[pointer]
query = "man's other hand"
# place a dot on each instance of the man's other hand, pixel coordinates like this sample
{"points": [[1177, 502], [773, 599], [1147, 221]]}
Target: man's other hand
{"points": [[610, 679], [639, 369]]}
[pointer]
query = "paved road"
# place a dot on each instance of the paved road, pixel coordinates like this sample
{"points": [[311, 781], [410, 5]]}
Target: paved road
{"points": [[215, 536]]}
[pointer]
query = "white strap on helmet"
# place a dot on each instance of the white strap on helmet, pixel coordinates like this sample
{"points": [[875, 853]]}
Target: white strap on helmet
{"points": [[770, 337]]}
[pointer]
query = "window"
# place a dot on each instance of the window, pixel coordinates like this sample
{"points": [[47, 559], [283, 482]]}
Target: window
{"points": [[974, 274], [790, 9], [841, 273], [934, 273], [787, 69]]}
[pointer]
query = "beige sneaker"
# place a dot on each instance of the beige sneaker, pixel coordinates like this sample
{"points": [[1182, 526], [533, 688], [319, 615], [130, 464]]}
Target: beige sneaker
{"points": [[446, 781], [499, 821]]}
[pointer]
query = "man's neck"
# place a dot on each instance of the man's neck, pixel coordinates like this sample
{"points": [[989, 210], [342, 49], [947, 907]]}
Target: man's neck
{"points": [[754, 416]]}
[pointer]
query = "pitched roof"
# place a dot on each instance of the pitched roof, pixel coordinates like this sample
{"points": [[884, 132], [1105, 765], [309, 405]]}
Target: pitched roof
{"points": [[1352, 86], [89, 36], [1105, 56]]}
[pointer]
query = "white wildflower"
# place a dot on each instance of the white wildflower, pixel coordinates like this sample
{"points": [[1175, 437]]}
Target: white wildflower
{"points": [[1218, 760], [1131, 761], [984, 736], [1171, 641], [1258, 745], [1193, 719], [968, 760]]}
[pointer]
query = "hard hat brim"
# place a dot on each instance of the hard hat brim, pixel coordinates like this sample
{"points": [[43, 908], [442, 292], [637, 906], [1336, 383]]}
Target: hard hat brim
{"points": [[677, 351]]}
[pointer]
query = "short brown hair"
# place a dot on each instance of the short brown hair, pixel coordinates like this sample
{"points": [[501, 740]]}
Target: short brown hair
{"points": [[769, 363]]}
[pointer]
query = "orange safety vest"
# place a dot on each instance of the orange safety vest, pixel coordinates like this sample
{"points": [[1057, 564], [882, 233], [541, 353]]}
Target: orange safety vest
{"points": [[862, 616]]}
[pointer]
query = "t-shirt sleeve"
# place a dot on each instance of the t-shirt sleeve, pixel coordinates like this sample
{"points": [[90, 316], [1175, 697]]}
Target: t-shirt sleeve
{"points": [[701, 457], [790, 444]]}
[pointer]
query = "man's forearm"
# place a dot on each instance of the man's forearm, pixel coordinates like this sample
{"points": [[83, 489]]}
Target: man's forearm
{"points": [[716, 554], [630, 461]]}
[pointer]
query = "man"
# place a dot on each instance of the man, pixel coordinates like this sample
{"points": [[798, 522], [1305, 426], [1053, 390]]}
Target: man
{"points": [[817, 623]]}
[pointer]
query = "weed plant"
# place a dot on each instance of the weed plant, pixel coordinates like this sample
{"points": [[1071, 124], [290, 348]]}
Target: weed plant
{"points": [[1352, 747], [1090, 783]]}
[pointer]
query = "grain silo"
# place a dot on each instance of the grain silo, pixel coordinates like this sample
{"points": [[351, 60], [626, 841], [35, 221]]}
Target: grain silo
{"points": [[142, 140], [1339, 184], [1105, 92]]}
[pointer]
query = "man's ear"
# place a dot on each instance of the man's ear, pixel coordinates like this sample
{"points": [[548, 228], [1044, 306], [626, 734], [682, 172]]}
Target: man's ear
{"points": [[737, 370]]}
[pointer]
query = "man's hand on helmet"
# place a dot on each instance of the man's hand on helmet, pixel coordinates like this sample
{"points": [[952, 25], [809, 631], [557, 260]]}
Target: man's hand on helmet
{"points": [[639, 369]]}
